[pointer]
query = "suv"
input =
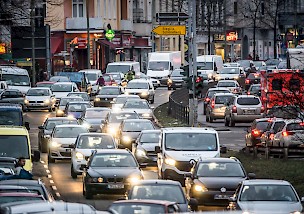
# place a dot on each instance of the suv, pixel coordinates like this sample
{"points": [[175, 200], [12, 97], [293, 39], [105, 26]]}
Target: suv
{"points": [[210, 93], [142, 88], [255, 131], [243, 108]]}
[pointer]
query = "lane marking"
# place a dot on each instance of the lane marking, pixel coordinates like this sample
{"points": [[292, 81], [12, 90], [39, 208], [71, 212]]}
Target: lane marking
{"points": [[54, 188], [48, 171], [161, 95], [57, 194], [49, 176], [42, 162], [45, 166], [51, 181]]}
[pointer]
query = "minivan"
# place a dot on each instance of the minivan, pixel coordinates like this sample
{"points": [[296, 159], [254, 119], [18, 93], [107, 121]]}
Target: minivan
{"points": [[209, 64]]}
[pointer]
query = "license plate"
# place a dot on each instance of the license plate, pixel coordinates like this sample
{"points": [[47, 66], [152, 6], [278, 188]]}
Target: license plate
{"points": [[68, 150], [221, 196], [116, 186], [249, 111]]}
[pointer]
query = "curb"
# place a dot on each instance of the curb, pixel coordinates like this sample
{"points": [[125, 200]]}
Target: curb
{"points": [[157, 123]]}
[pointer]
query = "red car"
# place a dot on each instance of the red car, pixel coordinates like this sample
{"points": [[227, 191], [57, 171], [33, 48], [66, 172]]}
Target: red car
{"points": [[109, 80], [45, 84]]}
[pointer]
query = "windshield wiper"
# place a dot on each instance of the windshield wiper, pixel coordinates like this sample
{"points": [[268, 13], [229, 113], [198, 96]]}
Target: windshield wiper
{"points": [[174, 149]]}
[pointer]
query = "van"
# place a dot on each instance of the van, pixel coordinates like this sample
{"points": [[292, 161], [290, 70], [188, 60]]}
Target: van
{"points": [[123, 67], [12, 115], [209, 64], [15, 143], [179, 147], [92, 75]]}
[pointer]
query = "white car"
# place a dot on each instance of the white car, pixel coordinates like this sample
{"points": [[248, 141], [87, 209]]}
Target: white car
{"points": [[39, 98], [85, 144], [141, 107], [62, 89], [120, 100], [62, 140], [230, 73], [141, 87], [232, 85]]}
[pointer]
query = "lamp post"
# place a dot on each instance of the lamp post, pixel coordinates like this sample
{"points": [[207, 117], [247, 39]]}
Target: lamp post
{"points": [[88, 34]]}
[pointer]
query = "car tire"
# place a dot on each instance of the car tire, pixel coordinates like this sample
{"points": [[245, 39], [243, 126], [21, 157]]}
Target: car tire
{"points": [[43, 147], [88, 194], [211, 119], [50, 159], [152, 101], [73, 173], [226, 121]]}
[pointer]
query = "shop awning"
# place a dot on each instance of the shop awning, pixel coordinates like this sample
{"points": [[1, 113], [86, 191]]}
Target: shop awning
{"points": [[107, 43], [56, 45]]}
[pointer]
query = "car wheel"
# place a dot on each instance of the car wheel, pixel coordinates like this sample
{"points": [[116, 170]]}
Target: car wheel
{"points": [[231, 122], [226, 121], [50, 159], [73, 173], [88, 194], [152, 101], [43, 147], [207, 118]]}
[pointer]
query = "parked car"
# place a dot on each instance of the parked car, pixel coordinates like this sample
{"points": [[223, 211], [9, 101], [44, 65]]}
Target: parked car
{"points": [[210, 93], [40, 98], [256, 130]]}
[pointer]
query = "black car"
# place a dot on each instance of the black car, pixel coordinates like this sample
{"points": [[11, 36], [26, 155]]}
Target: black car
{"points": [[255, 131], [177, 79], [45, 130], [252, 78], [254, 89], [106, 95], [93, 118], [212, 181], [111, 171]]}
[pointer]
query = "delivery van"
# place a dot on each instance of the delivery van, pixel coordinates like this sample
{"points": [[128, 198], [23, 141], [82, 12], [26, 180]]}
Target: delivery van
{"points": [[209, 65], [123, 67]]}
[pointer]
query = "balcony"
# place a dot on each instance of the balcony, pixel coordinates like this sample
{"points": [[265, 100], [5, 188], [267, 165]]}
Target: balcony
{"points": [[81, 23], [126, 25]]}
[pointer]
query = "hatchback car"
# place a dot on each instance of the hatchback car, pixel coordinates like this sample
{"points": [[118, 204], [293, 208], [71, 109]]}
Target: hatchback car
{"points": [[39, 98], [177, 79], [256, 130], [212, 181], [76, 108], [93, 118], [110, 171], [13, 96], [252, 78], [63, 102], [106, 95], [141, 87], [62, 140], [232, 85], [243, 108], [84, 95], [210, 93], [216, 107], [120, 100], [141, 107], [85, 144], [130, 129], [254, 89], [266, 196], [230, 73]]}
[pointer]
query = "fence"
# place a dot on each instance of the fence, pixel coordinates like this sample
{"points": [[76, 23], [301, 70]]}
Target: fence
{"points": [[179, 105]]}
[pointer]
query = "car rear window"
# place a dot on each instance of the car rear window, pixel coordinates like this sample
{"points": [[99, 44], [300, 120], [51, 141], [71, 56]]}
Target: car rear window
{"points": [[222, 99], [295, 126], [213, 92], [248, 101], [262, 125]]}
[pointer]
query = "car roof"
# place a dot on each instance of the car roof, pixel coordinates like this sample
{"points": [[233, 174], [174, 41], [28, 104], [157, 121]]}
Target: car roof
{"points": [[219, 160], [218, 88], [247, 95], [94, 134], [21, 182], [69, 125], [80, 92], [123, 63], [64, 83], [123, 111], [189, 130], [79, 102], [20, 194], [227, 81], [39, 88], [265, 181], [255, 85], [60, 118], [71, 97], [128, 95], [98, 109], [10, 105], [144, 201], [110, 86], [136, 120], [113, 151], [43, 82], [155, 181], [139, 80], [13, 130], [224, 94], [151, 131], [293, 121]]}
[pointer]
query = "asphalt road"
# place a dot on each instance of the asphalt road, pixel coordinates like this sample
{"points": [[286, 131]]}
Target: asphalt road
{"points": [[57, 176]]}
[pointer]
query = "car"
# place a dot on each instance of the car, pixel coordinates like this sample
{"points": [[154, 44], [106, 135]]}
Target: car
{"points": [[13, 188], [213, 181], [118, 77], [273, 62], [252, 78], [144, 146], [85, 144], [13, 96], [142, 88], [62, 140], [258, 64], [45, 84], [177, 79], [8, 197], [144, 206], [59, 79], [110, 171], [230, 73], [216, 107], [246, 64], [254, 89], [210, 93], [166, 190], [83, 95], [114, 119], [256, 130], [62, 89], [45, 130], [35, 186], [93, 118], [273, 128], [141, 107], [119, 101], [155, 82], [76, 108], [92, 75], [267, 68], [243, 108], [232, 85], [12, 115], [39, 98], [106, 95], [109, 80], [290, 135], [63, 102], [7, 165], [130, 129], [266, 196]]}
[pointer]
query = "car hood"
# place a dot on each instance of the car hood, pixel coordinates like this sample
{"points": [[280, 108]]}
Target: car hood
{"points": [[23, 89], [107, 95], [132, 135], [149, 147], [66, 141], [114, 171], [117, 106], [93, 121], [136, 90], [278, 207], [61, 94], [88, 152], [140, 111], [219, 182], [37, 98], [190, 155]]}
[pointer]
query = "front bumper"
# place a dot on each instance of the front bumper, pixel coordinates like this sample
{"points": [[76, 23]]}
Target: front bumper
{"points": [[38, 106], [112, 188], [218, 115], [212, 198], [60, 153]]}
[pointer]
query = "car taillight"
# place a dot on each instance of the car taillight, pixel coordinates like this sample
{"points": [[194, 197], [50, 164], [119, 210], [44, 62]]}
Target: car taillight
{"points": [[248, 93], [247, 81], [285, 134], [198, 79], [234, 109], [271, 136], [255, 132], [262, 109], [212, 104], [207, 99]]}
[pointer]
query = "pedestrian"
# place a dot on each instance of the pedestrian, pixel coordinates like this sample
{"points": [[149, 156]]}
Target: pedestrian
{"points": [[257, 58], [19, 165], [100, 81], [20, 172]]}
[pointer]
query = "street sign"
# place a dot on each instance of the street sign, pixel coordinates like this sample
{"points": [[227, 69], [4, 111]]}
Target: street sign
{"points": [[110, 34], [175, 16], [170, 30]]}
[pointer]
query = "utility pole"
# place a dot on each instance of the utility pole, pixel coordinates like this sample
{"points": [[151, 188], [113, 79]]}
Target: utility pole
{"points": [[88, 34], [33, 42], [153, 25], [225, 30]]}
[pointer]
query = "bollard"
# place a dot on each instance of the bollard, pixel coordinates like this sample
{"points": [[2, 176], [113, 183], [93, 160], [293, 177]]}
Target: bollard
{"points": [[285, 155], [267, 153], [255, 152]]}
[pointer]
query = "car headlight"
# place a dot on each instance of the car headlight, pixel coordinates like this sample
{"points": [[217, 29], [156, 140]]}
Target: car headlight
{"points": [[97, 180], [140, 152], [209, 75], [236, 77], [127, 93], [111, 130], [26, 101], [146, 115], [79, 156], [47, 101], [54, 144], [133, 179], [71, 116], [59, 111], [200, 188], [144, 93], [87, 125], [170, 161], [126, 139], [97, 99]]}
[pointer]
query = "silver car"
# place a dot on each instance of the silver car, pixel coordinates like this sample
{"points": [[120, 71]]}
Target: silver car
{"points": [[141, 107], [243, 108], [232, 85]]}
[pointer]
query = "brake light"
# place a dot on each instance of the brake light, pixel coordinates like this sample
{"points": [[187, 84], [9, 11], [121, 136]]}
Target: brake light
{"points": [[262, 109], [271, 136], [255, 132], [302, 124], [212, 104], [234, 109], [285, 134], [247, 81], [207, 99], [198, 80], [248, 93], [256, 75]]}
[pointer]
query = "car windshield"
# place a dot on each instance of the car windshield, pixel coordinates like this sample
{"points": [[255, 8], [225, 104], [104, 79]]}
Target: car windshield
{"points": [[64, 101], [177, 73], [69, 132], [136, 104], [116, 76], [259, 192], [10, 118], [96, 113], [118, 68], [14, 146], [255, 88], [59, 79], [204, 66], [96, 142], [230, 71], [91, 76], [222, 99], [84, 96], [107, 78], [226, 84], [213, 92], [113, 160], [165, 192], [45, 85], [220, 169], [9, 199], [150, 137], [109, 91], [117, 118], [137, 85], [244, 63], [61, 88], [262, 125], [137, 126], [17, 80], [78, 107], [38, 92], [248, 101], [191, 141], [129, 208], [257, 63], [295, 127], [52, 123], [158, 66]]}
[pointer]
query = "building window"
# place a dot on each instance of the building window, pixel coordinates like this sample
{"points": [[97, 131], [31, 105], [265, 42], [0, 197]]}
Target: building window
{"points": [[98, 8], [78, 8], [235, 7], [105, 9]]}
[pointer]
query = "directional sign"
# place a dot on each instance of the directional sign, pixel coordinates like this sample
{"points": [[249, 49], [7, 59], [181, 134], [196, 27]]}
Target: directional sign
{"points": [[170, 30]]}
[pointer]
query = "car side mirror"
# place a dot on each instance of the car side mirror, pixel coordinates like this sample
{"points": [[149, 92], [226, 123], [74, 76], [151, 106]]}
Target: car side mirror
{"points": [[157, 149], [193, 203], [223, 149], [232, 199], [36, 156], [251, 175], [27, 125], [40, 127]]}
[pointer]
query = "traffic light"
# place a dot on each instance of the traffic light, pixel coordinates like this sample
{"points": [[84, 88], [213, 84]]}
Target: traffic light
{"points": [[187, 50], [187, 78]]}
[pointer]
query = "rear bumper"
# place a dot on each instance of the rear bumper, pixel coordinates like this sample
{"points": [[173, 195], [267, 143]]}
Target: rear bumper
{"points": [[245, 118]]}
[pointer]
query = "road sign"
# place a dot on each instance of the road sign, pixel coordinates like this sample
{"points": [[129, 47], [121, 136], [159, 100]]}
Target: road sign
{"points": [[175, 16], [110, 34], [170, 30]]}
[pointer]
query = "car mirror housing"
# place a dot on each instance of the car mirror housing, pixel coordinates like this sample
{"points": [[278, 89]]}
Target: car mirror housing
{"points": [[251, 175], [232, 199], [157, 149]]}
